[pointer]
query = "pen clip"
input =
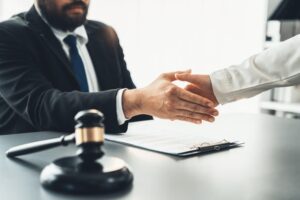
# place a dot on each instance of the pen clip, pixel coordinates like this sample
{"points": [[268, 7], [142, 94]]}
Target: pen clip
{"points": [[207, 144]]}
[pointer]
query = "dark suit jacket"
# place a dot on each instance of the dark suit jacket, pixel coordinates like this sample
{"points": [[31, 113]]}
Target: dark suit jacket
{"points": [[38, 90]]}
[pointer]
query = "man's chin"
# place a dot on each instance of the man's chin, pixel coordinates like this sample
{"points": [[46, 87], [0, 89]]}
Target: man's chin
{"points": [[72, 25], [66, 20], [76, 17], [75, 20]]}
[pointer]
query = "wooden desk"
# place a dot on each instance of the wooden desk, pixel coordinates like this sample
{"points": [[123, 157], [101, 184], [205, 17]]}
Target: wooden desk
{"points": [[266, 168]]}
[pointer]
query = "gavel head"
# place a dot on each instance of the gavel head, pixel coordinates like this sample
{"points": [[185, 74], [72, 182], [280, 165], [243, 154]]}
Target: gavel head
{"points": [[89, 134]]}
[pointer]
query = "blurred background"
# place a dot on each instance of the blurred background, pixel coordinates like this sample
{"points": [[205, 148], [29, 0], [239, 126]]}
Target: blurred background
{"points": [[166, 35]]}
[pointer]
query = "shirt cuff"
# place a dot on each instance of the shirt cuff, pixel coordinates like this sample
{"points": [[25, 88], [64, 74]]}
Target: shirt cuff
{"points": [[120, 113], [221, 83]]}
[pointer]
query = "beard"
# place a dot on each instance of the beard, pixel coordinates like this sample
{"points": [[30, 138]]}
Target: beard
{"points": [[59, 18]]}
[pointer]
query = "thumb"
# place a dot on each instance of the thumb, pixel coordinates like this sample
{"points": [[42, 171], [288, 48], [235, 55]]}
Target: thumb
{"points": [[192, 78], [171, 75]]}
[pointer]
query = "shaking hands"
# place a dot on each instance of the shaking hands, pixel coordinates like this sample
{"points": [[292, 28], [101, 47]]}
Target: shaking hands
{"points": [[198, 84], [165, 100]]}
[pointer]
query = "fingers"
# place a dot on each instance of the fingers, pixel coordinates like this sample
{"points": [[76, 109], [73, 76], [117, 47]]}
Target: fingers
{"points": [[205, 92], [186, 106], [188, 77], [194, 89], [187, 119], [194, 116], [191, 97], [183, 105], [171, 75]]}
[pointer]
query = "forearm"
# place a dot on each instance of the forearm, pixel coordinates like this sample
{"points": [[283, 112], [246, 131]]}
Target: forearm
{"points": [[276, 67], [55, 110]]}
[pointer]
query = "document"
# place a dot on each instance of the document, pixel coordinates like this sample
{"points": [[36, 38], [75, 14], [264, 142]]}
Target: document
{"points": [[174, 138]]}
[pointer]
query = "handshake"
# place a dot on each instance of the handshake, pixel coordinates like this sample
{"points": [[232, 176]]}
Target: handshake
{"points": [[194, 103]]}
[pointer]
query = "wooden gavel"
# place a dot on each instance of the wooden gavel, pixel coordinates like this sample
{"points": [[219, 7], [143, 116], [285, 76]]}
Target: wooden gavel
{"points": [[87, 172], [88, 137]]}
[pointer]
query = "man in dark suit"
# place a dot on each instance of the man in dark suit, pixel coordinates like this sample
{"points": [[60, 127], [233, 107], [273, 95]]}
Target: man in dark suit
{"points": [[54, 63]]}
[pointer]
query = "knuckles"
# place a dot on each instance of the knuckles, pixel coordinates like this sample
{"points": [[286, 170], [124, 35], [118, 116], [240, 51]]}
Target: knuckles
{"points": [[169, 105], [172, 90], [196, 108], [191, 114]]}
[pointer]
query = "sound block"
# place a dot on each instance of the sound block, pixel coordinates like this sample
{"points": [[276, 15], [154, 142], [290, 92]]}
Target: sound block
{"points": [[72, 175]]}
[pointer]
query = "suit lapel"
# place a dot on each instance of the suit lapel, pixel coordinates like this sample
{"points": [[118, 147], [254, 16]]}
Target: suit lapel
{"points": [[49, 40], [54, 45], [98, 53]]}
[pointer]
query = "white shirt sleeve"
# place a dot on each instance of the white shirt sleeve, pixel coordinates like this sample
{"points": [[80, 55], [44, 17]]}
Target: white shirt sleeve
{"points": [[278, 66], [120, 113]]}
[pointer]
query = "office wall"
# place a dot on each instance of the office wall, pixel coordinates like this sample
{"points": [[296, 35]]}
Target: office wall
{"points": [[167, 35], [11, 7]]}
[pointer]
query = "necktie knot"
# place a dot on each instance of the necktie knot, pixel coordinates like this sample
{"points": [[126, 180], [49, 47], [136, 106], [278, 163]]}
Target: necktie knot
{"points": [[71, 41]]}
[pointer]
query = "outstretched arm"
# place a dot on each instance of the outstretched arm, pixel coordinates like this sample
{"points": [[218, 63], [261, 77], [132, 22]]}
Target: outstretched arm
{"points": [[278, 66]]}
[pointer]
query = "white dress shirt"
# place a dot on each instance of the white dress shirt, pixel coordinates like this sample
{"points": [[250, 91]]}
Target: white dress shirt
{"points": [[82, 40], [278, 66]]}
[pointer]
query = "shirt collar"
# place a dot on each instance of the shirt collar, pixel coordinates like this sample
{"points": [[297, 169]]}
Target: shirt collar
{"points": [[79, 32]]}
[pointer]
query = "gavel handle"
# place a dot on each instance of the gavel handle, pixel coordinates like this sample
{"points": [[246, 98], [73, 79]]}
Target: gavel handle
{"points": [[40, 145]]}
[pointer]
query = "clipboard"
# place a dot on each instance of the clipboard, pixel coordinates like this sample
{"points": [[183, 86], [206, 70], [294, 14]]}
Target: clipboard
{"points": [[170, 138]]}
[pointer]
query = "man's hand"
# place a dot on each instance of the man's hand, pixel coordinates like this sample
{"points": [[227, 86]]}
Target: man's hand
{"points": [[165, 100], [199, 84]]}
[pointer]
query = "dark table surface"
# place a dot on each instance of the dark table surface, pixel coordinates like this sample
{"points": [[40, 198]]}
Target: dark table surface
{"points": [[266, 168]]}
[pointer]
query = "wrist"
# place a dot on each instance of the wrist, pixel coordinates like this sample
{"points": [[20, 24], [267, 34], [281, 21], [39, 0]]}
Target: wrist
{"points": [[132, 103], [213, 96]]}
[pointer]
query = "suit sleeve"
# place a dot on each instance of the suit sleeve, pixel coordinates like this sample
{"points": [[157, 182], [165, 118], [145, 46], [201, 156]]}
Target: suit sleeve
{"points": [[278, 66], [24, 88]]}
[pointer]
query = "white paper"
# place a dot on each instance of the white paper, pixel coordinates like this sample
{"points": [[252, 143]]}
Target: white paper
{"points": [[166, 137]]}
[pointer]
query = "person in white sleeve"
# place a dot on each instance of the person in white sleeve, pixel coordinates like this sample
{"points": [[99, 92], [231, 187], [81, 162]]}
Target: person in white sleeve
{"points": [[278, 66]]}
